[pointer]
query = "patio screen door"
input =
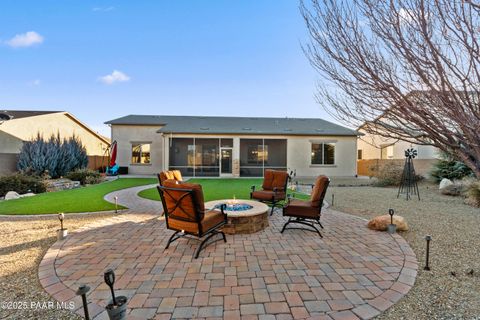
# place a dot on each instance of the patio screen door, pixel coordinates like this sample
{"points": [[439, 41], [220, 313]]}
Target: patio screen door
{"points": [[226, 161]]}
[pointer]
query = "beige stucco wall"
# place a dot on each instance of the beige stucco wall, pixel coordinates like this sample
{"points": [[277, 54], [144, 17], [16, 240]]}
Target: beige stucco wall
{"points": [[298, 150], [126, 135], [371, 148], [8, 143], [27, 128]]}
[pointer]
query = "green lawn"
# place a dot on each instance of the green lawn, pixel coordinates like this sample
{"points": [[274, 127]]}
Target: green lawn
{"points": [[85, 199], [216, 189]]}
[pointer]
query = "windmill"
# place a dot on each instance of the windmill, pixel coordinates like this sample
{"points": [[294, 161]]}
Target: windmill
{"points": [[408, 184]]}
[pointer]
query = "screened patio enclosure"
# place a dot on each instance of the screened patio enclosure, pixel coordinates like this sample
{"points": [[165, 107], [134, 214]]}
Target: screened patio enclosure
{"points": [[213, 157]]}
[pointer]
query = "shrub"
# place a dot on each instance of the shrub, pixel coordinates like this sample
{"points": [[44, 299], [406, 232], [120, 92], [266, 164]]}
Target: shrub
{"points": [[54, 156], [388, 175], [450, 169], [473, 194], [85, 176], [21, 184]]}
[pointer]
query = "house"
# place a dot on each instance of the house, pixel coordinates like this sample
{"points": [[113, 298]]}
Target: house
{"points": [[17, 126], [233, 146], [374, 150]]}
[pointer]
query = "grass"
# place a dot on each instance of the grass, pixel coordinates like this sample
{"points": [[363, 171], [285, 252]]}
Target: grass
{"points": [[86, 199], [217, 189]]}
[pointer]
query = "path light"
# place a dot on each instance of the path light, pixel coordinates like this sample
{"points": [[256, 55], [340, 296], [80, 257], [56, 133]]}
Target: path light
{"points": [[116, 204], [333, 199], [61, 233], [117, 307], [391, 227], [82, 291], [427, 267]]}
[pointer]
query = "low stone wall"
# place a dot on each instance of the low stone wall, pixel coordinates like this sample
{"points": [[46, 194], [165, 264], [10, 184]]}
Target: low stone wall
{"points": [[364, 167], [61, 184]]}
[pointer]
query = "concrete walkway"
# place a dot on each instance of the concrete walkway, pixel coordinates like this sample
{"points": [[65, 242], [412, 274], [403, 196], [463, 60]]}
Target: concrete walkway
{"points": [[129, 198]]}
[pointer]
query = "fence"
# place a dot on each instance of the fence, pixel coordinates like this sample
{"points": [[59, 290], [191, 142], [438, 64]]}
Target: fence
{"points": [[368, 167]]}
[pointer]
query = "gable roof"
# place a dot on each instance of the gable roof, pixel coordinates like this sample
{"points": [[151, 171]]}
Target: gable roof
{"points": [[18, 114], [236, 125], [21, 114]]}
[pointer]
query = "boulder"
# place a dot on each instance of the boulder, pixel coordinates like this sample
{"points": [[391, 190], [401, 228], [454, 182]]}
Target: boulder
{"points": [[11, 195], [380, 223], [445, 183]]}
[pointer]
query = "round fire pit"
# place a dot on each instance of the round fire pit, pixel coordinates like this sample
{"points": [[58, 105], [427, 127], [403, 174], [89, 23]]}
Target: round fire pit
{"points": [[244, 216]]}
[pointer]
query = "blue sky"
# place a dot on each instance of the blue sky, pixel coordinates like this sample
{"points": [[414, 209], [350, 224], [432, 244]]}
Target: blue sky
{"points": [[238, 58]]}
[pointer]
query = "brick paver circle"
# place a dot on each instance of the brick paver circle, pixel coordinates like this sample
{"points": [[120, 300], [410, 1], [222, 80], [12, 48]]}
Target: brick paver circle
{"points": [[352, 273]]}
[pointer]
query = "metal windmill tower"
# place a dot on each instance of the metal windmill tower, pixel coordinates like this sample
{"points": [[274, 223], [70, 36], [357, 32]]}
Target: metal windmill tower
{"points": [[408, 185]]}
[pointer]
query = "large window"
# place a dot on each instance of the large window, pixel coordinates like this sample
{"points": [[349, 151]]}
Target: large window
{"points": [[323, 153], [195, 157], [140, 153], [256, 155]]}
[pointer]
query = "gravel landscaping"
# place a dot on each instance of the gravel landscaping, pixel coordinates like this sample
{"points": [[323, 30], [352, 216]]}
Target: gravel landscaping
{"points": [[24, 242], [449, 290]]}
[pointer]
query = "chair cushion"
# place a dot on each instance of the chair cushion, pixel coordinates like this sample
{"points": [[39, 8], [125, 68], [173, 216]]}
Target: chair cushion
{"points": [[263, 195], [280, 179], [186, 209], [267, 180], [177, 175], [301, 209], [318, 192], [210, 221]]}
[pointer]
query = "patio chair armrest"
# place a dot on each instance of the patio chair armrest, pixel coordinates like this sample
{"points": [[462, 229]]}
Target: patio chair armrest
{"points": [[222, 209], [253, 188]]}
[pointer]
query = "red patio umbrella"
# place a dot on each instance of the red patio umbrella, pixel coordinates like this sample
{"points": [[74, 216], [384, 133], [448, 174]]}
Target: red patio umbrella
{"points": [[113, 155]]}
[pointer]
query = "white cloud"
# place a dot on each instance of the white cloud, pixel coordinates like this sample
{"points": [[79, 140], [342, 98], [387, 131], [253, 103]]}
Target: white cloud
{"points": [[103, 9], [27, 39], [115, 76]]}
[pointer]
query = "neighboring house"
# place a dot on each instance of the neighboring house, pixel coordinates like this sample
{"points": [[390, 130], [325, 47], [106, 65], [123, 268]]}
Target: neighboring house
{"points": [[375, 147], [233, 146], [25, 125]]}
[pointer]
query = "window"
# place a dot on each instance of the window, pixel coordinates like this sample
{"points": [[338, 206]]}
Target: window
{"points": [[323, 153], [359, 154], [140, 153], [256, 155], [386, 152]]}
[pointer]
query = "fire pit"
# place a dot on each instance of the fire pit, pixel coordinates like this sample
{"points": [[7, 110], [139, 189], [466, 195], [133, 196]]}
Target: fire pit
{"points": [[244, 216]]}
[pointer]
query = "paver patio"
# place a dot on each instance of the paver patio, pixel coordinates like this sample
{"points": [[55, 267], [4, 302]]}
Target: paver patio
{"points": [[352, 273]]}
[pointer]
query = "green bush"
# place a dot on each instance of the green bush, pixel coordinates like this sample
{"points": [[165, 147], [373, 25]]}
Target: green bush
{"points": [[21, 183], [85, 176], [450, 169]]}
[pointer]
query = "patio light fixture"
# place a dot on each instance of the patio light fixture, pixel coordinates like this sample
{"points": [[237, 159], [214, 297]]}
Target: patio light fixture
{"points": [[62, 232], [391, 227], [117, 307], [82, 291], [427, 260], [116, 204]]}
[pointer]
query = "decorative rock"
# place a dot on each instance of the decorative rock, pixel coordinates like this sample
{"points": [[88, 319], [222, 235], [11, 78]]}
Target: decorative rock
{"points": [[30, 194], [61, 184], [12, 195], [445, 183], [380, 223]]}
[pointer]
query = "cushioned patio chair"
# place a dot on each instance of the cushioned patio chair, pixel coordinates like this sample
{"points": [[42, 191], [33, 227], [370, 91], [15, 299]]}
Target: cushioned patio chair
{"points": [[274, 188], [307, 212], [185, 213], [169, 174]]}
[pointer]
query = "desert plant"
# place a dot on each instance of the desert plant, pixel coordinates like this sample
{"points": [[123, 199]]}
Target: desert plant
{"points": [[85, 176], [473, 194], [21, 183], [54, 156], [388, 175], [450, 169]]}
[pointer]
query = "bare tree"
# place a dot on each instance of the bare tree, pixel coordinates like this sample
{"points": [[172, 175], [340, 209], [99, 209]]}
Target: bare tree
{"points": [[406, 69]]}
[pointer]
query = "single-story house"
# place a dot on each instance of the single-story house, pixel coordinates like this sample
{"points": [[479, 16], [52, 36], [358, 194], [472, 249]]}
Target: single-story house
{"points": [[17, 126], [201, 146]]}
